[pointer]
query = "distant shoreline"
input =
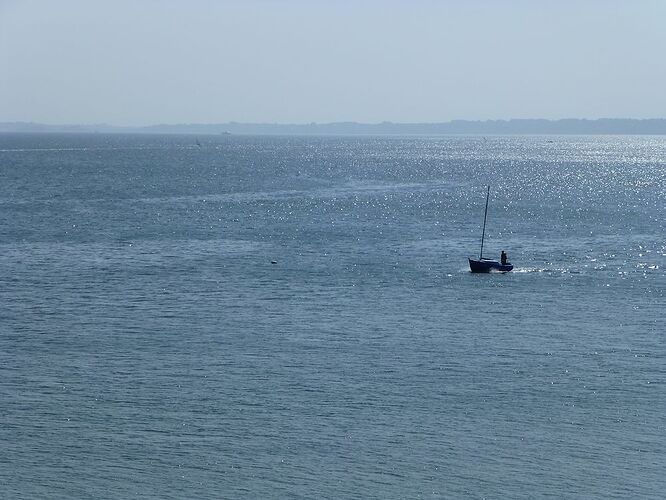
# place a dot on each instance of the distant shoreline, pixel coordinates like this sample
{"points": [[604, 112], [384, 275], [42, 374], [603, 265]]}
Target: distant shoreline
{"points": [[572, 126]]}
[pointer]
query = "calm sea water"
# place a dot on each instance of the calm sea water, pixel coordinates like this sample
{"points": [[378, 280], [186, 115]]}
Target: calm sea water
{"points": [[150, 348]]}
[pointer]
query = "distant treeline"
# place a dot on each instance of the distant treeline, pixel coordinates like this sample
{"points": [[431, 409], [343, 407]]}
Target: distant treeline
{"points": [[488, 127]]}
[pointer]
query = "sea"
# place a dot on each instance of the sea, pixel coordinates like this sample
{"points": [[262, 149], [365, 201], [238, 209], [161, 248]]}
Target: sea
{"points": [[226, 317]]}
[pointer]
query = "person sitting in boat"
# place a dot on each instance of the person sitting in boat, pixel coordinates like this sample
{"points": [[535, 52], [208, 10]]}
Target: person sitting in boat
{"points": [[503, 258]]}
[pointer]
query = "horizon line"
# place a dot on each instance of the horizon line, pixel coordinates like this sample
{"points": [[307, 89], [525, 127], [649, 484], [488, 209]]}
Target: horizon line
{"points": [[315, 123]]}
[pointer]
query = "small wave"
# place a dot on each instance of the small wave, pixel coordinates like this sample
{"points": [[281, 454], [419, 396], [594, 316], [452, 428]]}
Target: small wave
{"points": [[647, 265], [550, 270]]}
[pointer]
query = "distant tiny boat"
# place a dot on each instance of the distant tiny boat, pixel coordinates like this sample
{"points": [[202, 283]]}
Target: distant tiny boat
{"points": [[483, 265]]}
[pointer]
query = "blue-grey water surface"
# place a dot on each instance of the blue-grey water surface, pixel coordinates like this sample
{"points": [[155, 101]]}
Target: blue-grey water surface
{"points": [[293, 317]]}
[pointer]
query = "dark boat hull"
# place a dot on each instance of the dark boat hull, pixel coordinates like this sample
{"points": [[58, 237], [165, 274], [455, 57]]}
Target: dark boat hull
{"points": [[488, 265]]}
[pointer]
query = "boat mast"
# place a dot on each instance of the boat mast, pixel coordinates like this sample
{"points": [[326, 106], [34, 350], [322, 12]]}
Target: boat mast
{"points": [[483, 234]]}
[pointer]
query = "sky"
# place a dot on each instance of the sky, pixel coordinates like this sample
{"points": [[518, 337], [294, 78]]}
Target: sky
{"points": [[142, 62]]}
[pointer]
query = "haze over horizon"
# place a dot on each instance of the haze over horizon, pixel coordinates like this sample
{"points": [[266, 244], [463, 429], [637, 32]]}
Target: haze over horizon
{"points": [[256, 61]]}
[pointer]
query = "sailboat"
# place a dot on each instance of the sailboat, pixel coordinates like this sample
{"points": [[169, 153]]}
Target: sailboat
{"points": [[483, 265]]}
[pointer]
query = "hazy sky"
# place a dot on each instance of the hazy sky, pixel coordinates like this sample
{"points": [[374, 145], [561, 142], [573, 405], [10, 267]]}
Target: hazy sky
{"points": [[137, 62]]}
